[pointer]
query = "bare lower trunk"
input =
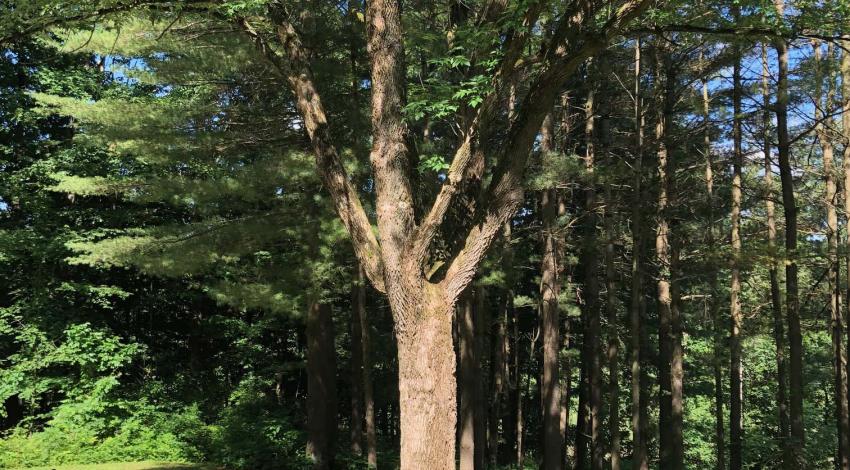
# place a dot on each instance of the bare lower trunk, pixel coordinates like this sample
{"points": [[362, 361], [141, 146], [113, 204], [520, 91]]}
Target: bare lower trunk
{"points": [[639, 458], [368, 393], [356, 374], [467, 376], [824, 105], [670, 348], [613, 340], [845, 121], [795, 337], [583, 417], [481, 319], [518, 385], [426, 364], [775, 294], [321, 386], [593, 325], [566, 390], [736, 390], [498, 369], [714, 302], [550, 289], [550, 323]]}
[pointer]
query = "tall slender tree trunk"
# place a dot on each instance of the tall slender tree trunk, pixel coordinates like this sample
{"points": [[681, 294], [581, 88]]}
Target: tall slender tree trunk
{"points": [[481, 320], [670, 354], [321, 386], [613, 337], [775, 294], [592, 324], [736, 390], [357, 394], [550, 289], [566, 397], [610, 278], [845, 126], [583, 415], [640, 457], [823, 107], [468, 371], [498, 374], [714, 303], [520, 387], [795, 337], [366, 357]]}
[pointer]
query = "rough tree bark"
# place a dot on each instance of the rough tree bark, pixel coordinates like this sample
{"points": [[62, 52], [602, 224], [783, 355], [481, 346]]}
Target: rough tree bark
{"points": [[797, 438], [823, 107]]}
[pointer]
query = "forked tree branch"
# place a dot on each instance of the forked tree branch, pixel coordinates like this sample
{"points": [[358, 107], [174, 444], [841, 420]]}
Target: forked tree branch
{"points": [[506, 193], [476, 132], [295, 67]]}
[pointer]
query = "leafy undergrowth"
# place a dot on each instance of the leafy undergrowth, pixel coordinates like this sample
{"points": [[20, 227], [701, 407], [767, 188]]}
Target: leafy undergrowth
{"points": [[126, 466]]}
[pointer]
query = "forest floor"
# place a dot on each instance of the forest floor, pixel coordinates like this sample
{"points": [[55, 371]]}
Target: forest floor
{"points": [[127, 466]]}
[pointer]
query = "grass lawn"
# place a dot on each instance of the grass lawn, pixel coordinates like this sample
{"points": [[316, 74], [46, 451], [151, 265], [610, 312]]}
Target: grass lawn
{"points": [[127, 466]]}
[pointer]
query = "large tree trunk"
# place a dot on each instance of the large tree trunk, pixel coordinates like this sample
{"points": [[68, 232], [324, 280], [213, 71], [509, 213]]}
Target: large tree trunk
{"points": [[640, 459], [736, 390], [775, 294], [824, 106], [427, 388], [714, 302], [796, 444], [321, 386], [550, 289]]}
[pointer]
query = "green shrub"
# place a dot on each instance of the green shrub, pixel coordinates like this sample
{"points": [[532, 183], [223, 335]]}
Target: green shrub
{"points": [[146, 433], [253, 432]]}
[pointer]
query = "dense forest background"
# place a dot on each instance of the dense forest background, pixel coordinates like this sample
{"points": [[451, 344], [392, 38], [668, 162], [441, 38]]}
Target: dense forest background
{"points": [[665, 282]]}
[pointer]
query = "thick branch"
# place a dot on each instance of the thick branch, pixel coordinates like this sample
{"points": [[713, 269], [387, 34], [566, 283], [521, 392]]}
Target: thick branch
{"points": [[390, 154], [344, 195], [506, 193], [477, 131]]}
